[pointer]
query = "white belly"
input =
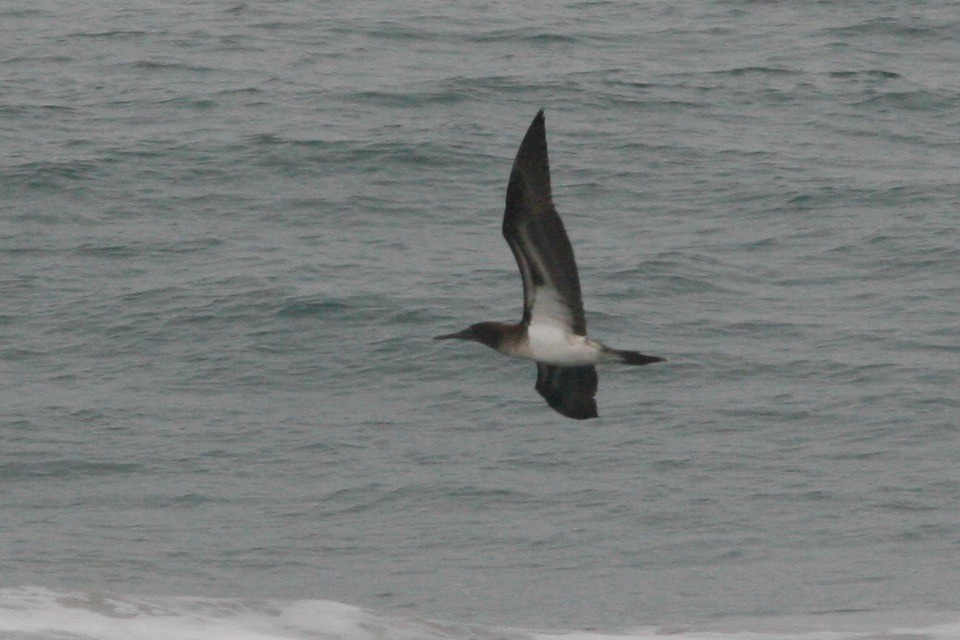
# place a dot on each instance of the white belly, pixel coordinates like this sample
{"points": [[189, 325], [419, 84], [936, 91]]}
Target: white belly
{"points": [[553, 345]]}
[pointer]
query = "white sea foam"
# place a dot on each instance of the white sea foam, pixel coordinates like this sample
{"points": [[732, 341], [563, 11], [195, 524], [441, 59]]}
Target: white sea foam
{"points": [[31, 613]]}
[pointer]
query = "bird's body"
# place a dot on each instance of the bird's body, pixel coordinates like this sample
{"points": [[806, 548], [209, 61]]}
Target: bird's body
{"points": [[553, 330], [553, 345]]}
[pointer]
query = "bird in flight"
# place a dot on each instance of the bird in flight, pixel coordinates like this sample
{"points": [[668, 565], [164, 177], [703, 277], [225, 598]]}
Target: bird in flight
{"points": [[553, 330]]}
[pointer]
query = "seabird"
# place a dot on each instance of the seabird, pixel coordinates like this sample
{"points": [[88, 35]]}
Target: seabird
{"points": [[553, 330]]}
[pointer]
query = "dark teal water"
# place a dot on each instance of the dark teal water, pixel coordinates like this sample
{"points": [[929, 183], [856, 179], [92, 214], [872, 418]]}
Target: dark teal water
{"points": [[230, 230]]}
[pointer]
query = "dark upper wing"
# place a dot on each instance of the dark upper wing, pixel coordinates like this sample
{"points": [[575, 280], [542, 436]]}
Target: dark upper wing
{"points": [[569, 390], [535, 233]]}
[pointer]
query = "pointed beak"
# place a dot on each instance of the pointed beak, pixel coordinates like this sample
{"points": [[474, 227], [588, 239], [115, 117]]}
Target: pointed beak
{"points": [[466, 334]]}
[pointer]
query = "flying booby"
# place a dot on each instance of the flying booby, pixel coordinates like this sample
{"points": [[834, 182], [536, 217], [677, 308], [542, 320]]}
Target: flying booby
{"points": [[553, 330]]}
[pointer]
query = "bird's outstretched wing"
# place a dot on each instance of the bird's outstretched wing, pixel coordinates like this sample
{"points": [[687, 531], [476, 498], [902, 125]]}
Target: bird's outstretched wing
{"points": [[535, 233], [569, 390]]}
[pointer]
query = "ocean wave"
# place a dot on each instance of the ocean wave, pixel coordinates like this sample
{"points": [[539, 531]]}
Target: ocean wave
{"points": [[33, 613]]}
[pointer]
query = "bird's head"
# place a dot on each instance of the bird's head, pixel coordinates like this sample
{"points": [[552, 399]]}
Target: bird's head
{"points": [[488, 333]]}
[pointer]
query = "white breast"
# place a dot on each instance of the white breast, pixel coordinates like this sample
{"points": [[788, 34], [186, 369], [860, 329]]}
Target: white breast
{"points": [[552, 345]]}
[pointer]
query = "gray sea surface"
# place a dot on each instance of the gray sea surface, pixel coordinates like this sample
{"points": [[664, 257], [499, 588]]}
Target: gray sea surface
{"points": [[229, 230]]}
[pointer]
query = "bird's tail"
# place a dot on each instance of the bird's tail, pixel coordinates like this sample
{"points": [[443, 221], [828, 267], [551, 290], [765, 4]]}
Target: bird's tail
{"points": [[632, 357]]}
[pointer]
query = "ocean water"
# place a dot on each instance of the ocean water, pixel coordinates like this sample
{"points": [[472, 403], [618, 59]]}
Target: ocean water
{"points": [[230, 229]]}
